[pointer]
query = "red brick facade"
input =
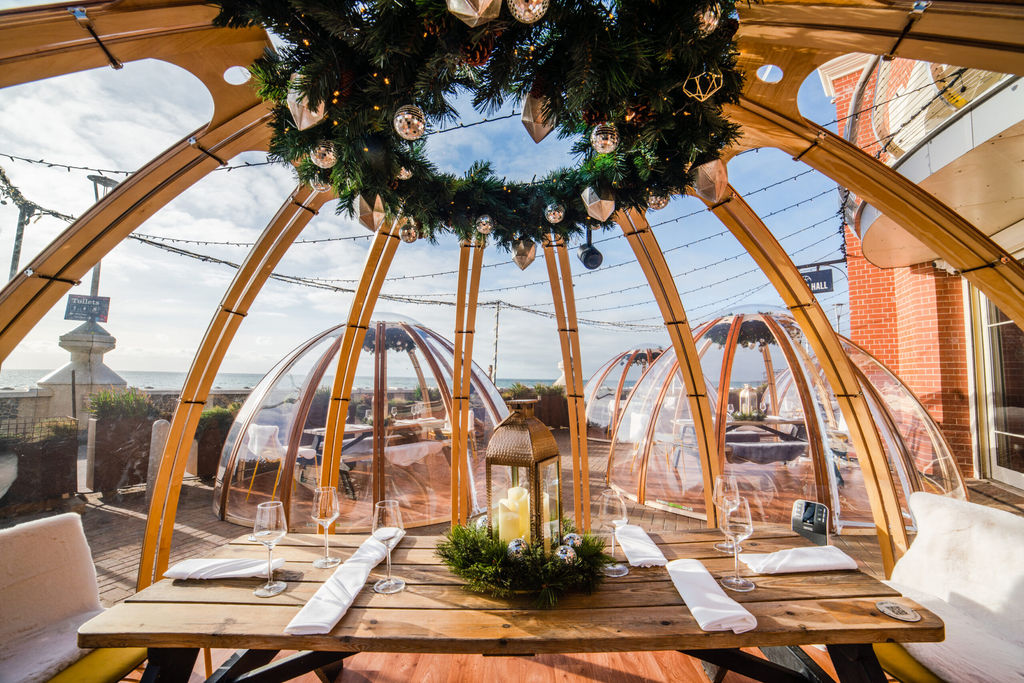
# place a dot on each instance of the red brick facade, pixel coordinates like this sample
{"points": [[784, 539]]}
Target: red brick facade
{"points": [[912, 319]]}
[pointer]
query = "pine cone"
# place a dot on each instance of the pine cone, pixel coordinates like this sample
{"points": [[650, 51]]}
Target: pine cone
{"points": [[591, 116], [436, 26], [345, 82], [639, 114], [477, 54]]}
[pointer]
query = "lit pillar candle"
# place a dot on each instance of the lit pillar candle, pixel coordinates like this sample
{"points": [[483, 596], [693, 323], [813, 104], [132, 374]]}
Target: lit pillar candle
{"points": [[521, 498], [508, 520], [545, 520]]}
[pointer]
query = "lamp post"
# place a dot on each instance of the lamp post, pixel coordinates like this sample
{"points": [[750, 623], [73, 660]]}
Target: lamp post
{"points": [[107, 184]]}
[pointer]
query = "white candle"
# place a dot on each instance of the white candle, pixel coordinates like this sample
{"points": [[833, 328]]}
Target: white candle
{"points": [[508, 520], [522, 501]]}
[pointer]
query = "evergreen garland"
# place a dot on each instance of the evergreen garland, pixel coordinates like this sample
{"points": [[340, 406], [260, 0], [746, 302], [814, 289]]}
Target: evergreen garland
{"points": [[623, 62], [472, 554]]}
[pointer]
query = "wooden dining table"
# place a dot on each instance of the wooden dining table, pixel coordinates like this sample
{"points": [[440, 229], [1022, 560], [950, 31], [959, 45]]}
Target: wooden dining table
{"points": [[437, 614]]}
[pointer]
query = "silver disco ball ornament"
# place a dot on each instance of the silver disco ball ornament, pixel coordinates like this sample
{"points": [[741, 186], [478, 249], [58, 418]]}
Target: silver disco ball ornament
{"points": [[516, 548], [554, 213], [410, 231], [656, 201], [410, 122], [566, 554], [604, 138], [528, 11], [572, 540], [484, 224], [479, 522], [404, 173], [707, 21], [324, 155]]}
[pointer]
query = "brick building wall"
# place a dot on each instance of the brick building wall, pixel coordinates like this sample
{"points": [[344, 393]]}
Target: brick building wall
{"points": [[911, 319]]}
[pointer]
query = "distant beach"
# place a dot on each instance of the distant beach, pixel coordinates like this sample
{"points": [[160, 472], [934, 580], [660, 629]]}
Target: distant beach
{"points": [[21, 379]]}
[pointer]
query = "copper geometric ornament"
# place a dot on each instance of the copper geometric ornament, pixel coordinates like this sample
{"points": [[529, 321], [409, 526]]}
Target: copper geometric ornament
{"points": [[475, 12], [600, 207], [534, 120], [703, 85], [298, 105], [712, 181], [371, 217]]}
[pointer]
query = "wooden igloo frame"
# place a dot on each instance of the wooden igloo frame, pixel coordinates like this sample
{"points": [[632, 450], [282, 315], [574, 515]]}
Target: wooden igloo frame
{"points": [[794, 35]]}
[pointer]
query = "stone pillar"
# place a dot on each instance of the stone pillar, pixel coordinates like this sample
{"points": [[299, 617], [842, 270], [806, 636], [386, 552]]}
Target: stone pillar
{"points": [[87, 343]]}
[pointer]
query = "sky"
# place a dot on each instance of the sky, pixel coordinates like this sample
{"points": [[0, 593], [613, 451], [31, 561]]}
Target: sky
{"points": [[161, 303]]}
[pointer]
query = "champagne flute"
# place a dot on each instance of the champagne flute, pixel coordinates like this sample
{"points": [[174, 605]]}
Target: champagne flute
{"points": [[613, 515], [726, 496], [325, 511], [738, 528], [270, 527], [387, 527]]}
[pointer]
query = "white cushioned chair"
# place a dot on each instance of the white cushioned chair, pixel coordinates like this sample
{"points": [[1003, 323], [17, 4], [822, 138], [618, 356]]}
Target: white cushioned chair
{"points": [[47, 590], [967, 566]]}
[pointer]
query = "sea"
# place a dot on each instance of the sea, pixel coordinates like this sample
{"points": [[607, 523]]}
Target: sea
{"points": [[21, 379]]}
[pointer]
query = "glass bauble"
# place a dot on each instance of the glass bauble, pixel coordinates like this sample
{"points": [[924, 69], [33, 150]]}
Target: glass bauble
{"points": [[484, 224], [707, 21], [528, 11], [410, 231], [565, 554], [324, 155], [656, 201], [410, 122], [554, 213], [320, 185], [404, 173], [604, 138], [572, 540], [516, 548]]}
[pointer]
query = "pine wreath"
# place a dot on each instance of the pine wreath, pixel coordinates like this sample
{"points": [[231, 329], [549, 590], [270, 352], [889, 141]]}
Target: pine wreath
{"points": [[595, 62], [472, 554]]}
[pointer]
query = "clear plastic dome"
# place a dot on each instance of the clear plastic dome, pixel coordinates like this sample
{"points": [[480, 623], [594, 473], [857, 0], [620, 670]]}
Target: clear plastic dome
{"points": [[402, 384], [607, 390], [779, 428]]}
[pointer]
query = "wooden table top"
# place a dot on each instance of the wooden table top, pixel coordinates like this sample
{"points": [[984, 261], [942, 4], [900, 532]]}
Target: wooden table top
{"points": [[435, 614]]}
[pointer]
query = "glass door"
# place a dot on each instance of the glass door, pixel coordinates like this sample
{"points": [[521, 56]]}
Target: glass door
{"points": [[1003, 346]]}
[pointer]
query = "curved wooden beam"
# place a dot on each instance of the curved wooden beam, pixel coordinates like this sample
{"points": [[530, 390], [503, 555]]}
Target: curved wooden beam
{"points": [[651, 259], [264, 256], [984, 263], [375, 270], [560, 278], [987, 35], [839, 370], [470, 266]]}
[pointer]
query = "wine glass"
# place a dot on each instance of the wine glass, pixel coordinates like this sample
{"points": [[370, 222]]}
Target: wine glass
{"points": [[612, 513], [726, 496], [270, 527], [738, 528], [387, 525], [325, 511]]}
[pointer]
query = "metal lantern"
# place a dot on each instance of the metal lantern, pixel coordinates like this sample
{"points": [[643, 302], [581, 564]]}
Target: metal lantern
{"points": [[748, 400], [524, 499]]}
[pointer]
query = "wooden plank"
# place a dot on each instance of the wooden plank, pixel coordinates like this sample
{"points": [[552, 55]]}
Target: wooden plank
{"points": [[851, 620], [612, 593]]}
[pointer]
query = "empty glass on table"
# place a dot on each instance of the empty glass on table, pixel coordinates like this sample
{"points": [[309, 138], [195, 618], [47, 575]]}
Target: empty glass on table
{"points": [[269, 528], [612, 514], [387, 527], [325, 511], [738, 527], [726, 496]]}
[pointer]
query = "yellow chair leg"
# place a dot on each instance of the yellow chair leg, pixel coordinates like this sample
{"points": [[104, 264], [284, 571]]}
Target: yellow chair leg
{"points": [[252, 481], [901, 665]]}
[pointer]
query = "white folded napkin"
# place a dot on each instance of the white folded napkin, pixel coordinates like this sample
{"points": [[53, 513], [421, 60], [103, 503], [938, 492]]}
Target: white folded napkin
{"points": [[813, 559], [330, 602], [640, 550], [227, 568], [710, 606]]}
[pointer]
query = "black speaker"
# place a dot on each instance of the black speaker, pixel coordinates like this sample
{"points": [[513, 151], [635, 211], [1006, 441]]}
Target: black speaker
{"points": [[810, 520], [590, 257]]}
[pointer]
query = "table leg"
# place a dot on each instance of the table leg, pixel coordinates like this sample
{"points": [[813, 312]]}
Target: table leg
{"points": [[748, 665], [241, 662], [856, 663], [169, 664]]}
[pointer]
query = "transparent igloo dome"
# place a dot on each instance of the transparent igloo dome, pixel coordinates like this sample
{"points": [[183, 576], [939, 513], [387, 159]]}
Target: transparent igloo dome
{"points": [[398, 429], [607, 390], [778, 427]]}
